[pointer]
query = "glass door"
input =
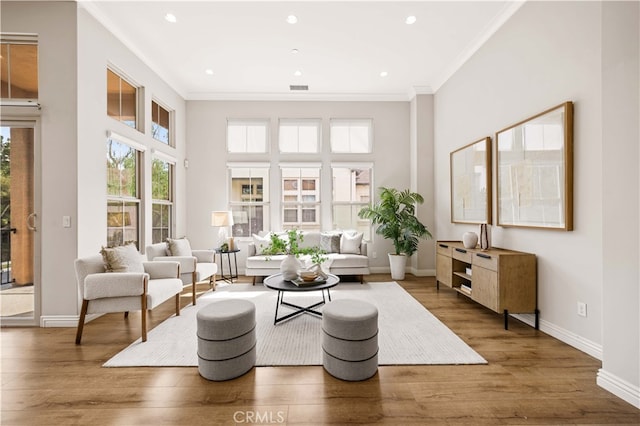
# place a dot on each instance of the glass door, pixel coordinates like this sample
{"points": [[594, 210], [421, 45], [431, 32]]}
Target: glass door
{"points": [[18, 220]]}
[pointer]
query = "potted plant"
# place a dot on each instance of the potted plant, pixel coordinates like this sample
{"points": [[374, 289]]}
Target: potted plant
{"points": [[291, 247], [395, 219]]}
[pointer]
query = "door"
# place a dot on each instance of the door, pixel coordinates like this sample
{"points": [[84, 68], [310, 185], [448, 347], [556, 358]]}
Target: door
{"points": [[19, 223]]}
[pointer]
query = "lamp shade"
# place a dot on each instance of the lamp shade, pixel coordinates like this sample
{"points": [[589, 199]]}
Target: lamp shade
{"points": [[221, 218]]}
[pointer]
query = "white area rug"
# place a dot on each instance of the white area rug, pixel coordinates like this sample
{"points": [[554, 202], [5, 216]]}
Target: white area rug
{"points": [[408, 333]]}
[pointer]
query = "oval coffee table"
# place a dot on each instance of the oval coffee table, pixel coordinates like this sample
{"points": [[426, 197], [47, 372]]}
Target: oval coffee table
{"points": [[275, 282]]}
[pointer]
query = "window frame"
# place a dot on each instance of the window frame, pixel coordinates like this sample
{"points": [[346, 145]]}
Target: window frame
{"points": [[123, 200], [253, 122], [169, 202], [362, 225], [8, 40], [349, 123], [300, 205], [252, 205], [170, 113], [297, 123], [122, 77]]}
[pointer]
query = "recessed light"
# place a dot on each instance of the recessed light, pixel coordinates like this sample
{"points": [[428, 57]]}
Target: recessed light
{"points": [[170, 17], [292, 19], [410, 20], [295, 51], [208, 71], [384, 74], [298, 73]]}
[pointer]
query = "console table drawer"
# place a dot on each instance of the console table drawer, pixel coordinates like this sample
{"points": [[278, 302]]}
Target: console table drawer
{"points": [[461, 254], [485, 260], [444, 249]]}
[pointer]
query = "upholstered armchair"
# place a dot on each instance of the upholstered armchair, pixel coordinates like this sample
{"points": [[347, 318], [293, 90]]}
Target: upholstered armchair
{"points": [[195, 265], [104, 292]]}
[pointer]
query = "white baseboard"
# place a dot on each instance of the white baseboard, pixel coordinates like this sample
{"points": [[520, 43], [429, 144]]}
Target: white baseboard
{"points": [[619, 387], [64, 320], [572, 339]]}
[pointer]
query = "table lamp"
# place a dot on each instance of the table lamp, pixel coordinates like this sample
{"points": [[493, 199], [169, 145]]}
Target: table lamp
{"points": [[222, 220]]}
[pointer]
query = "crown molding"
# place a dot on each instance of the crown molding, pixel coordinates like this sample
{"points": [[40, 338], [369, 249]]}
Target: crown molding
{"points": [[509, 9], [332, 97]]}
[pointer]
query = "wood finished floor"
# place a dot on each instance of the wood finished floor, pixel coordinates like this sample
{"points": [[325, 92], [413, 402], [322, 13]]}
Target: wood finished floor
{"points": [[530, 378]]}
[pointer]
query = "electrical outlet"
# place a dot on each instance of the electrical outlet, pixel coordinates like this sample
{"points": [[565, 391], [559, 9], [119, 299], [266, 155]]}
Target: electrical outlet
{"points": [[582, 309], [374, 255]]}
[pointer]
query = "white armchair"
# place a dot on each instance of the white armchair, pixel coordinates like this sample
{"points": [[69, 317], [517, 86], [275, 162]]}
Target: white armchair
{"points": [[104, 292], [195, 265]]}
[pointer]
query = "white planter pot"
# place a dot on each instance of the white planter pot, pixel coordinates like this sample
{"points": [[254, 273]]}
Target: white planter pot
{"points": [[398, 263]]}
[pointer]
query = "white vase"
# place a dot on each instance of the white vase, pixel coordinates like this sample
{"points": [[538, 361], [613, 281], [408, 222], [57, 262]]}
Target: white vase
{"points": [[289, 268], [397, 263], [470, 240]]}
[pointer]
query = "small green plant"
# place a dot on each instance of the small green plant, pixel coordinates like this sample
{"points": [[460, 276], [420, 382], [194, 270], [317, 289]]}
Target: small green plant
{"points": [[291, 245]]}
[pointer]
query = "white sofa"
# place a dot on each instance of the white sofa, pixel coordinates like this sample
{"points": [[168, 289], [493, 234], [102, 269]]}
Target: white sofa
{"points": [[346, 254]]}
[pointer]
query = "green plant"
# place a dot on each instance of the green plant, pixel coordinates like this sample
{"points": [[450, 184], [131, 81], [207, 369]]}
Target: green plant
{"points": [[394, 217], [291, 245]]}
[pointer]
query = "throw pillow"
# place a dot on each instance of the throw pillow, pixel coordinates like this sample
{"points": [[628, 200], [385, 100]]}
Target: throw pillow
{"points": [[122, 259], [261, 243], [350, 243], [179, 247], [330, 243]]}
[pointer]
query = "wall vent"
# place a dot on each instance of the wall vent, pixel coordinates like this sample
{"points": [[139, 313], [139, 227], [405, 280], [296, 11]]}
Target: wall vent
{"points": [[298, 87]]}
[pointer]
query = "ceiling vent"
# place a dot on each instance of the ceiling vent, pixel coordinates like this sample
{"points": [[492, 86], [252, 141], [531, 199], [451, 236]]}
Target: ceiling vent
{"points": [[298, 87]]}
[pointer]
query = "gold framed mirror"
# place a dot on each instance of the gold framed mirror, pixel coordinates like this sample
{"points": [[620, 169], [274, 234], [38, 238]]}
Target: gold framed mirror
{"points": [[471, 183], [535, 171]]}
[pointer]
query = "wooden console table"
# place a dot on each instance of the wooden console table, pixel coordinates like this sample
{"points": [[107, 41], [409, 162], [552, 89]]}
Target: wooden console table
{"points": [[504, 281]]}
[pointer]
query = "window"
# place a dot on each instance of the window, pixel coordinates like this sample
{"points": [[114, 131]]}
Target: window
{"points": [[249, 198], [122, 100], [123, 199], [160, 129], [19, 67], [301, 197], [351, 136], [247, 136], [162, 194], [299, 136], [352, 186]]}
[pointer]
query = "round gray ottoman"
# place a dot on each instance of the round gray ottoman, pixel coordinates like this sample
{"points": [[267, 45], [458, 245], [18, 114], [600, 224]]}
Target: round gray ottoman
{"points": [[350, 339], [226, 339]]}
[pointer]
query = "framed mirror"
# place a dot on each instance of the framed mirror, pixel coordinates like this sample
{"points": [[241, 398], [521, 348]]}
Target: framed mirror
{"points": [[471, 183], [535, 171]]}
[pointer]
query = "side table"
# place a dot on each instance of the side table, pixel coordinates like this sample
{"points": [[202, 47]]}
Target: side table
{"points": [[228, 278]]}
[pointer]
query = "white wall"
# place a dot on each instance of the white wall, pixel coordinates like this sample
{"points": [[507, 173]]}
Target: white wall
{"points": [[548, 53], [206, 151], [98, 48], [55, 24], [74, 51], [621, 249]]}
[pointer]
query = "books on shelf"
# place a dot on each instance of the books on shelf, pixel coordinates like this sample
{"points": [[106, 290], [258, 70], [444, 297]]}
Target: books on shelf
{"points": [[466, 288], [468, 271]]}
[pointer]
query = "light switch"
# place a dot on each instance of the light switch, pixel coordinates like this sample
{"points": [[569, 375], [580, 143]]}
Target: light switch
{"points": [[66, 221]]}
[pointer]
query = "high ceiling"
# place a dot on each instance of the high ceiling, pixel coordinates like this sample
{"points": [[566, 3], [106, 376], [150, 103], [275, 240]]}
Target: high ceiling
{"points": [[342, 47]]}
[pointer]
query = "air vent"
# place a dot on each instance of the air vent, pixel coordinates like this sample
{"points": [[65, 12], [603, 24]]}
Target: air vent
{"points": [[298, 87]]}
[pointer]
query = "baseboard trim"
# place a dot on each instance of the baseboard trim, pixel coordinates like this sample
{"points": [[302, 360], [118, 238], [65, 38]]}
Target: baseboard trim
{"points": [[572, 339], [619, 387], [47, 321]]}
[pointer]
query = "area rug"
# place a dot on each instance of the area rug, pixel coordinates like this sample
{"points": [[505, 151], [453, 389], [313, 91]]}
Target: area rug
{"points": [[408, 333]]}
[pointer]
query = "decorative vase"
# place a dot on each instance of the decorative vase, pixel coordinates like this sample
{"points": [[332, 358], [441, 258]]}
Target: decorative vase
{"points": [[289, 268], [397, 263], [485, 236], [469, 240]]}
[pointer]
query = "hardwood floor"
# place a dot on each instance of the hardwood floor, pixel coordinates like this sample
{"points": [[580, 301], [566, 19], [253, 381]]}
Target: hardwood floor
{"points": [[530, 378]]}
